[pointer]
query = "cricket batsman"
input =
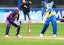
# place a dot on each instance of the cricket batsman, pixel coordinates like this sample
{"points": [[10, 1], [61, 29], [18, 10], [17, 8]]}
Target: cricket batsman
{"points": [[49, 16], [13, 19]]}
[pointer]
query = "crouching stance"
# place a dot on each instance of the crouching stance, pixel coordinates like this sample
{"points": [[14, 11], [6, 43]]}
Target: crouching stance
{"points": [[12, 19]]}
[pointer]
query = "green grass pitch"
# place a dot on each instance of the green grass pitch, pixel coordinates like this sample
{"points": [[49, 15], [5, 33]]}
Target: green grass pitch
{"points": [[34, 39]]}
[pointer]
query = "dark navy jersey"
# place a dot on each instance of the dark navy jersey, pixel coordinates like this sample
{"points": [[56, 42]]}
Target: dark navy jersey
{"points": [[25, 10]]}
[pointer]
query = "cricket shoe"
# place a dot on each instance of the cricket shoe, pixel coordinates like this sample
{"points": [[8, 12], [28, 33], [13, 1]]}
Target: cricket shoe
{"points": [[41, 35], [18, 36], [6, 36], [54, 35]]}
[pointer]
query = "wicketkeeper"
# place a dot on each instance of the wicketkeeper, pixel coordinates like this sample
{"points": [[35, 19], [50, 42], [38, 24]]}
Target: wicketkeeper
{"points": [[12, 19]]}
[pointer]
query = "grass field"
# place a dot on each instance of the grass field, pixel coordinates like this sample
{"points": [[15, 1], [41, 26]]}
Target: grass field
{"points": [[34, 39]]}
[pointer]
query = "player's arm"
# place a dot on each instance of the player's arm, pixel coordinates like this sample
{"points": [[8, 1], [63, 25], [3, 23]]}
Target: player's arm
{"points": [[51, 4], [25, 6], [6, 15], [17, 21]]}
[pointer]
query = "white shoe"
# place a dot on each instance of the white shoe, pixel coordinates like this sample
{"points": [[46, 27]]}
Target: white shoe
{"points": [[18, 36], [41, 35], [6, 36], [54, 35]]}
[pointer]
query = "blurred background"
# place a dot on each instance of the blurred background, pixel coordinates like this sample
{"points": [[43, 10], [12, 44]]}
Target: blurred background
{"points": [[35, 3], [8, 5]]}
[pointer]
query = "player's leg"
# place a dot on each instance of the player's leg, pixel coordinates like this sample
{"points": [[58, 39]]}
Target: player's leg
{"points": [[28, 16], [7, 29], [17, 26], [24, 16], [18, 31], [45, 27], [54, 26]]}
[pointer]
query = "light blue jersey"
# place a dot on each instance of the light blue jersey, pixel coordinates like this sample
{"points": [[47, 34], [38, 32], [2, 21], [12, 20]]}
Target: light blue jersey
{"points": [[48, 9], [51, 18]]}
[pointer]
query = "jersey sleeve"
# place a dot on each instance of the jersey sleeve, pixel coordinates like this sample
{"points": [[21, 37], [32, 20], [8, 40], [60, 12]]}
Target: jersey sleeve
{"points": [[51, 4]]}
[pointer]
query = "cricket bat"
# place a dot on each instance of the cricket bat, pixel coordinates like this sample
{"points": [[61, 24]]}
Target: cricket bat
{"points": [[45, 17]]}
